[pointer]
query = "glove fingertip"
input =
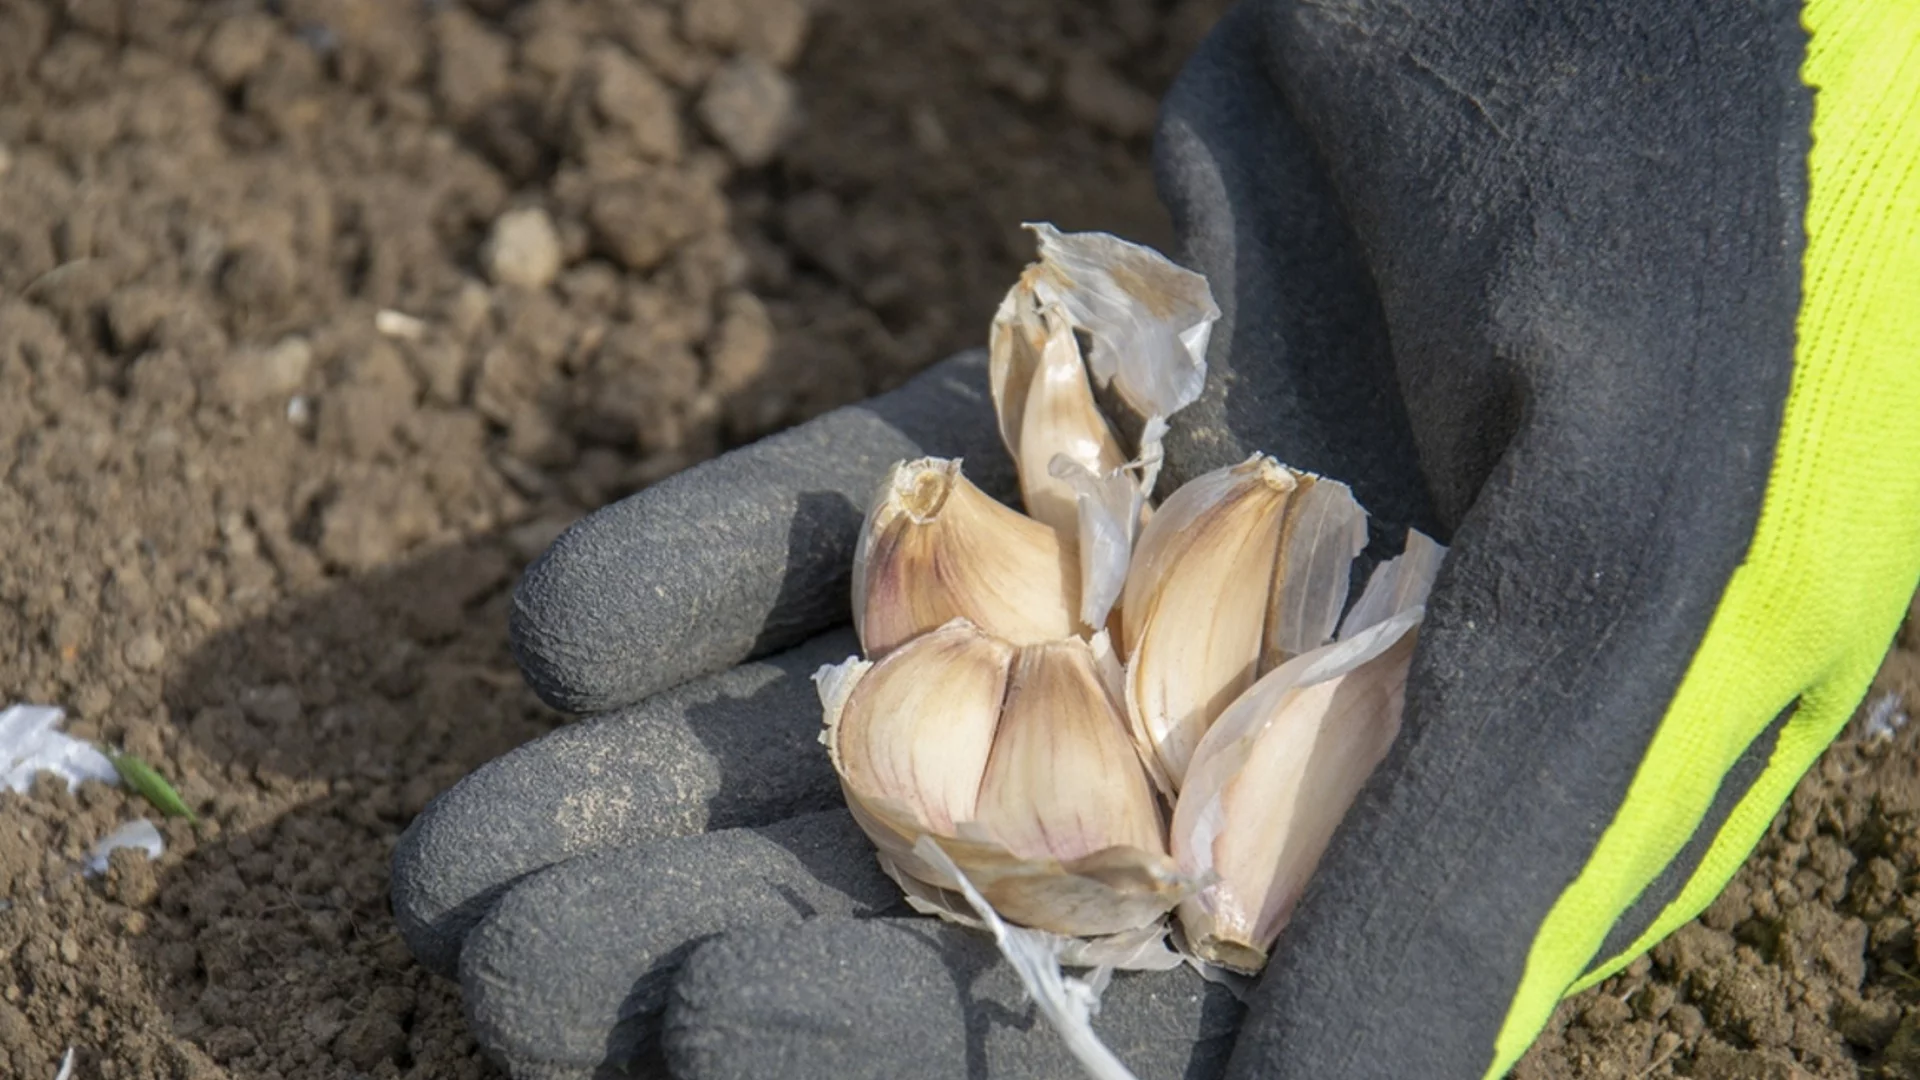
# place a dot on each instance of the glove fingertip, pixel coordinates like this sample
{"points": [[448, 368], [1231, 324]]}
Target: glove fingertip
{"points": [[850, 997], [431, 925], [570, 969], [828, 997], [736, 557], [680, 580], [665, 768], [546, 604]]}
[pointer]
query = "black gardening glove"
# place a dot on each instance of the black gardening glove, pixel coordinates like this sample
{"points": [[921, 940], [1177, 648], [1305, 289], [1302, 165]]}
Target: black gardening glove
{"points": [[1528, 280], [694, 848]]}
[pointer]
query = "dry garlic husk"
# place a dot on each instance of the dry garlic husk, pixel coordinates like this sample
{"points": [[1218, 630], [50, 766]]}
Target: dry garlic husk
{"points": [[1148, 317], [1109, 508], [1273, 776], [935, 547], [1036, 957], [1240, 569], [1016, 760]]}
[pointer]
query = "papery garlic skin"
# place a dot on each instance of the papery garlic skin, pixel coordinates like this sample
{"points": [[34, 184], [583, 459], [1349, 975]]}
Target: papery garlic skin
{"points": [[1150, 319], [1270, 782], [935, 547], [1045, 405], [1110, 508], [909, 737], [1324, 531]]}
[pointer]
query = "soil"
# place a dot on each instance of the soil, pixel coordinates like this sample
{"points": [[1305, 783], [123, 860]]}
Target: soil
{"points": [[319, 318]]}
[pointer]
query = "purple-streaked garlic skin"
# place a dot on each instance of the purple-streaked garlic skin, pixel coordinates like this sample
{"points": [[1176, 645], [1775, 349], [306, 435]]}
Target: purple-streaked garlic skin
{"points": [[1017, 761], [936, 548]]}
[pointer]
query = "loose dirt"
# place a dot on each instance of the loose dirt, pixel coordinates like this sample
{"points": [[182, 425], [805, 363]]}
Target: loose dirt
{"points": [[319, 318]]}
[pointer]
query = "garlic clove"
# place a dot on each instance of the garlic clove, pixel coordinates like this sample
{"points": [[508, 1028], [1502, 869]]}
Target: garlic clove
{"points": [[1064, 781], [935, 547], [1194, 609], [1149, 318], [1264, 811], [1270, 782], [916, 727], [1115, 890], [1149, 322], [1045, 405]]}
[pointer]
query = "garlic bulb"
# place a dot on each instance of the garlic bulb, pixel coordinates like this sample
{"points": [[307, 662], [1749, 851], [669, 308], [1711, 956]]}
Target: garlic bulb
{"points": [[1008, 762], [1242, 565], [1272, 778], [1016, 760], [935, 547]]}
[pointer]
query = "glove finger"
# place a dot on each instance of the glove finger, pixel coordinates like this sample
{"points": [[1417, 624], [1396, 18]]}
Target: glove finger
{"points": [[739, 748], [568, 975], [740, 556], [887, 998], [1298, 365]]}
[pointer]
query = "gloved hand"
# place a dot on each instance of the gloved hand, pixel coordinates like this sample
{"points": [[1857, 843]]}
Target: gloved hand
{"points": [[1596, 295]]}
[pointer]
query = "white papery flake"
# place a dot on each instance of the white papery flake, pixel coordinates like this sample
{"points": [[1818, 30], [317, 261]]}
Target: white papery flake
{"points": [[139, 834], [1149, 318], [1067, 1003], [31, 742]]}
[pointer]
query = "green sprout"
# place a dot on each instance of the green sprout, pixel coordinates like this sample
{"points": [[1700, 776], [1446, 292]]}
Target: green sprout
{"points": [[142, 778]]}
